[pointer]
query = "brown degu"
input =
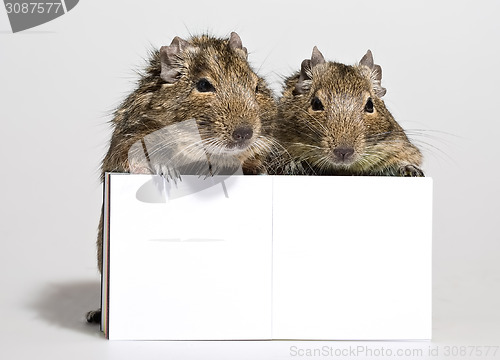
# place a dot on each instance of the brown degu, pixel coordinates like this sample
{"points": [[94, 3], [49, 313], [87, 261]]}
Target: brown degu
{"points": [[332, 121], [199, 108], [198, 101]]}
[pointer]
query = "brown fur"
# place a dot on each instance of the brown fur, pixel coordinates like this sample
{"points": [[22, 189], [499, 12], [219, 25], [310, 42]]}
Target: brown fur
{"points": [[310, 137]]}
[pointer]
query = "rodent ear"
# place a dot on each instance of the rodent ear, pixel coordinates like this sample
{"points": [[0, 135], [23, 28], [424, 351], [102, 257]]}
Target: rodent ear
{"points": [[367, 60], [317, 57], [305, 76], [170, 57], [376, 78], [236, 44], [375, 73]]}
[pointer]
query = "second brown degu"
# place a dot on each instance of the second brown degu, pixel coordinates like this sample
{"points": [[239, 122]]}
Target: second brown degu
{"points": [[199, 108]]}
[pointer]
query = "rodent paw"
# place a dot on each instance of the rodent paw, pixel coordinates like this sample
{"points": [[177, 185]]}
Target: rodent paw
{"points": [[94, 316], [410, 171], [167, 172]]}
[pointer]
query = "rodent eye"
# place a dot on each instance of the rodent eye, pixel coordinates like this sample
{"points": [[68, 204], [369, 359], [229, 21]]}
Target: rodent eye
{"points": [[203, 85], [369, 105], [316, 104]]}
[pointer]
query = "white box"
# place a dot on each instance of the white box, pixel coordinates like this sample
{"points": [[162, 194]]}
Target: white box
{"points": [[267, 257], [352, 258]]}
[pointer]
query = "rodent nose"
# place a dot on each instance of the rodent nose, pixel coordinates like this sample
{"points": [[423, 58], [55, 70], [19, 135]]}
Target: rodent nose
{"points": [[343, 154], [242, 133]]}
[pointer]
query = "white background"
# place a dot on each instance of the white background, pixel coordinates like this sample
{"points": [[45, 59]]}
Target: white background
{"points": [[60, 81]]}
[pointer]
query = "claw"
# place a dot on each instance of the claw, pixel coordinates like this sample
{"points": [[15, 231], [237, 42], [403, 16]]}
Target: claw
{"points": [[168, 173], [174, 178], [411, 171]]}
